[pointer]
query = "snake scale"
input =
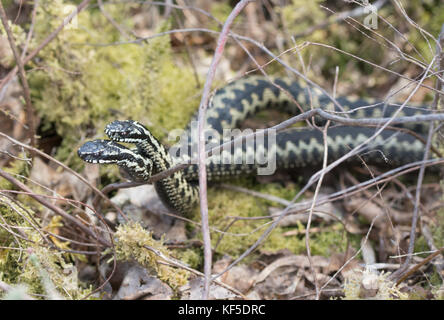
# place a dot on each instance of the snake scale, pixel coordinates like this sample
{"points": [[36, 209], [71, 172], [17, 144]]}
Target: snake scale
{"points": [[293, 148]]}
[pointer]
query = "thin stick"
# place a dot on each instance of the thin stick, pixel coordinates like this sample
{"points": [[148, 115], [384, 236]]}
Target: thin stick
{"points": [[337, 17], [45, 42], [31, 29], [419, 265], [411, 247], [122, 32], [201, 149], [310, 214], [30, 120], [54, 208], [399, 273], [316, 176], [173, 262], [37, 151]]}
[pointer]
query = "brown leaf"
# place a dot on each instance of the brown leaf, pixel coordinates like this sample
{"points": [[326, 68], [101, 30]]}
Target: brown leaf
{"points": [[139, 284], [43, 173], [194, 289], [240, 277], [337, 261]]}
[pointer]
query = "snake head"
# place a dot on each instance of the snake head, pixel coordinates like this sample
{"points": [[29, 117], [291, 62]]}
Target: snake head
{"points": [[138, 167], [100, 151], [128, 131]]}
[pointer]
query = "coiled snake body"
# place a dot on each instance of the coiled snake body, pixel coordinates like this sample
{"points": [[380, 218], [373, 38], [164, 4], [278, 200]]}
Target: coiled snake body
{"points": [[294, 148]]}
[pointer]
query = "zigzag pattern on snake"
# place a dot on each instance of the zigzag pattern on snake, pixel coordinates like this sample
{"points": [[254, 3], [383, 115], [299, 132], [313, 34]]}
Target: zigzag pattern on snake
{"points": [[294, 147]]}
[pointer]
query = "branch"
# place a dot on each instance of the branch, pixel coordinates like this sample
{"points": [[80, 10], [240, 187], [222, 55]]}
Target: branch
{"points": [[45, 42], [54, 208], [201, 149], [37, 151], [316, 177], [29, 108], [399, 273]]}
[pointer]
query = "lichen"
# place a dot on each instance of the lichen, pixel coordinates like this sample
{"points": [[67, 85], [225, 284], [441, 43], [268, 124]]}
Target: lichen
{"points": [[369, 284], [131, 243], [48, 273]]}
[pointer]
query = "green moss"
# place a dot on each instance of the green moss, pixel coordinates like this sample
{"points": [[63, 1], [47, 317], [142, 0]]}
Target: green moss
{"points": [[130, 243], [80, 87], [221, 11], [34, 265], [7, 58], [16, 168], [301, 15], [46, 272], [10, 264], [191, 257], [224, 205], [437, 231]]}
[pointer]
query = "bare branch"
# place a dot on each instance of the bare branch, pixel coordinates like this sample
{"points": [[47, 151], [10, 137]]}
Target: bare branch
{"points": [[45, 42], [54, 208], [26, 92], [201, 149]]}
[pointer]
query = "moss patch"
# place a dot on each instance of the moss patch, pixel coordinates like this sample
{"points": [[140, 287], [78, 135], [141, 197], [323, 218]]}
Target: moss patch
{"points": [[42, 270], [225, 204], [86, 77], [131, 243]]}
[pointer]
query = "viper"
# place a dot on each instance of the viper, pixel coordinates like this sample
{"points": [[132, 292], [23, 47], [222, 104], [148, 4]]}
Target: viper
{"points": [[291, 149]]}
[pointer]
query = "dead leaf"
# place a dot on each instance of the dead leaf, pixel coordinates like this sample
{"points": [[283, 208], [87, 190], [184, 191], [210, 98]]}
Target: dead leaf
{"points": [[43, 174], [240, 277], [194, 289], [177, 232], [337, 261], [369, 210], [139, 284], [142, 204]]}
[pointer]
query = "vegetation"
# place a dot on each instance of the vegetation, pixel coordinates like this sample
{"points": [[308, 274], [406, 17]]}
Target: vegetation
{"points": [[114, 61]]}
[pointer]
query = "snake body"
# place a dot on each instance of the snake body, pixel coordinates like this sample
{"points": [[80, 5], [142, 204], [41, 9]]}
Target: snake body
{"points": [[294, 148]]}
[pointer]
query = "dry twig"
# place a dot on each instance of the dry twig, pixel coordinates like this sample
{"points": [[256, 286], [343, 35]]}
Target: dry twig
{"points": [[201, 149], [30, 120]]}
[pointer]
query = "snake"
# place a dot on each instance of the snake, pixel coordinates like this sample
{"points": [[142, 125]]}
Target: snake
{"points": [[295, 148]]}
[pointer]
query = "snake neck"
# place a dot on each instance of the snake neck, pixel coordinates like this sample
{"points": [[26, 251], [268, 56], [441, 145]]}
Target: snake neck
{"points": [[175, 191]]}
